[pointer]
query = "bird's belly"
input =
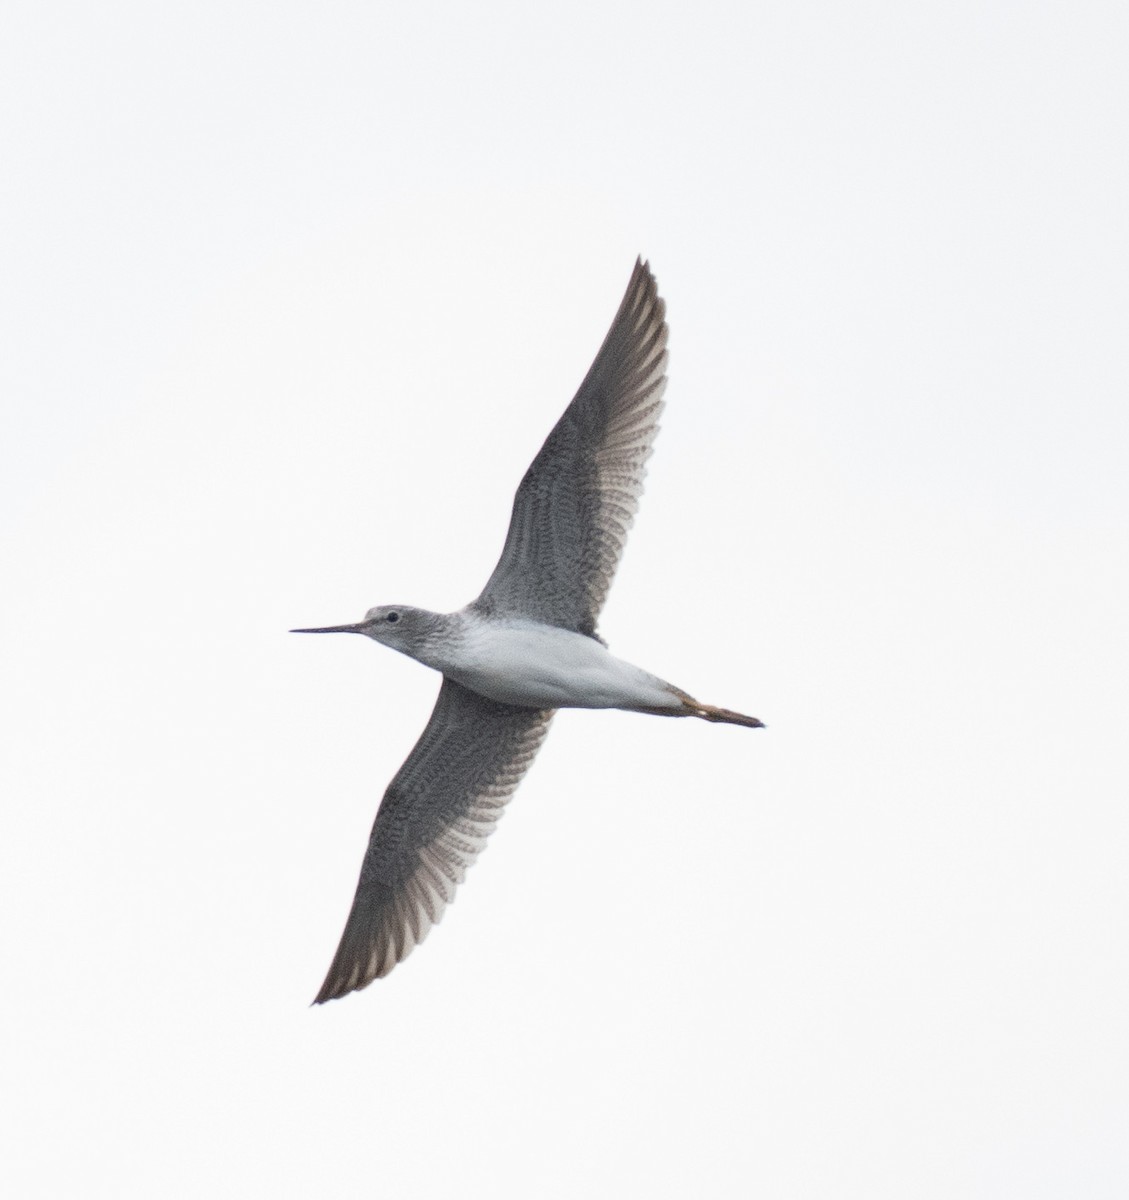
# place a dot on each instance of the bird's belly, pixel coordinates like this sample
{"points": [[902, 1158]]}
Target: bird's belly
{"points": [[538, 666]]}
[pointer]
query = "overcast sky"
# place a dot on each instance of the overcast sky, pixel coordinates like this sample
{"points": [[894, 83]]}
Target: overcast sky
{"points": [[291, 295]]}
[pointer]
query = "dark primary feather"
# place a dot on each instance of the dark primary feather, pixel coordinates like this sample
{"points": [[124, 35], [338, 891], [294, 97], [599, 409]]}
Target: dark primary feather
{"points": [[434, 819], [576, 503]]}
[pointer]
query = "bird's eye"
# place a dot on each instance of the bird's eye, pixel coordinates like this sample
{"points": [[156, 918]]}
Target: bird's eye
{"points": [[392, 618]]}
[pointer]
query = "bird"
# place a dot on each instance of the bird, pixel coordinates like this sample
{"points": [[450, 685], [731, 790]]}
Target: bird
{"points": [[527, 646]]}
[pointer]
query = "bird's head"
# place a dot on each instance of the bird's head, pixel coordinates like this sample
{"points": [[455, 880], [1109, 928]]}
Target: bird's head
{"points": [[396, 625]]}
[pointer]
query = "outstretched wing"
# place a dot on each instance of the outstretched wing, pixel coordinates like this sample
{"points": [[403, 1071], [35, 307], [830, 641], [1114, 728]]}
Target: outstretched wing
{"points": [[576, 503], [434, 819]]}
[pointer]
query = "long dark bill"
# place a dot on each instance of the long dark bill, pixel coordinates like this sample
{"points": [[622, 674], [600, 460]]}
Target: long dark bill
{"points": [[357, 628]]}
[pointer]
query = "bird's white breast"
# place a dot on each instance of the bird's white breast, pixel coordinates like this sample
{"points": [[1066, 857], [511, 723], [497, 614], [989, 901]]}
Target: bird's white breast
{"points": [[541, 666]]}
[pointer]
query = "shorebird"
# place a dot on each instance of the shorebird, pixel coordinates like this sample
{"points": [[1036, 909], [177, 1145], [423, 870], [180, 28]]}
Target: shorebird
{"points": [[526, 647]]}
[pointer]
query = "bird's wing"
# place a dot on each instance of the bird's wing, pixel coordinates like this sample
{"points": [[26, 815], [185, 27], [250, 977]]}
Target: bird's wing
{"points": [[573, 509], [434, 819]]}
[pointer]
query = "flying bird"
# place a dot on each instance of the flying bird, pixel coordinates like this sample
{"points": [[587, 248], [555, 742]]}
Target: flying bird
{"points": [[526, 647]]}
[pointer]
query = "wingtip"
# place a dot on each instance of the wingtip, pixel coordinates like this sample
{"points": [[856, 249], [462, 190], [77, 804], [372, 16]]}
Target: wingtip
{"points": [[643, 288], [335, 989], [324, 994]]}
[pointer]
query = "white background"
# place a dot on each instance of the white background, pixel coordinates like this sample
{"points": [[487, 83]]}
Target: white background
{"points": [[291, 295]]}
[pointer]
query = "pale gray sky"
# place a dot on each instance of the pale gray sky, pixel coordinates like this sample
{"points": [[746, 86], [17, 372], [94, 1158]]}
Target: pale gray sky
{"points": [[290, 297]]}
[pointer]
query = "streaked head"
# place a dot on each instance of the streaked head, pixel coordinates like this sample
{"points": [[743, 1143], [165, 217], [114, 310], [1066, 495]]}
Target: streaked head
{"points": [[396, 625]]}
